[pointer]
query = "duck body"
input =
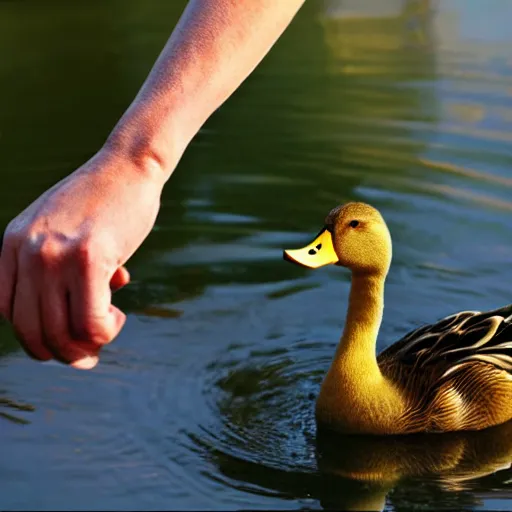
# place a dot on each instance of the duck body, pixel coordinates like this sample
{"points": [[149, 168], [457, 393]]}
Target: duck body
{"points": [[454, 375]]}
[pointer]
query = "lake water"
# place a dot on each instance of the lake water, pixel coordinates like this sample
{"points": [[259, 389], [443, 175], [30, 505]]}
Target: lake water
{"points": [[206, 399]]}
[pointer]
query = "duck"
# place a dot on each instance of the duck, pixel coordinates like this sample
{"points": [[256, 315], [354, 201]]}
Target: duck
{"points": [[451, 375]]}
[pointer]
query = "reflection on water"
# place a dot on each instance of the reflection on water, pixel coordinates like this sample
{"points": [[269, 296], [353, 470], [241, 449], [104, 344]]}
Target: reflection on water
{"points": [[206, 400], [368, 468], [9, 410], [357, 472]]}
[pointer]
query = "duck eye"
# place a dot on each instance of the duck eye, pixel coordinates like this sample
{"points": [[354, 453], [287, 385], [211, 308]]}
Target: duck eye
{"points": [[354, 223]]}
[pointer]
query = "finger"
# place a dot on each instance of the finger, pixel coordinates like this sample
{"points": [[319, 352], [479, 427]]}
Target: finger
{"points": [[55, 326], [8, 269], [120, 279], [93, 318], [87, 362], [26, 318]]}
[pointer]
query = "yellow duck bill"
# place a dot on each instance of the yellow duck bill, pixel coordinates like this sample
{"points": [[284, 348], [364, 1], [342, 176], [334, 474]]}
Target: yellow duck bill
{"points": [[318, 253]]}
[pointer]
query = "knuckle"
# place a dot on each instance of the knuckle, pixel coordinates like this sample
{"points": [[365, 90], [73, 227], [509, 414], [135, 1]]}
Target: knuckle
{"points": [[48, 252]]}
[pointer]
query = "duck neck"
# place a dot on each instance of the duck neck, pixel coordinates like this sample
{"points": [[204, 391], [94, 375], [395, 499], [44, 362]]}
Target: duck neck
{"points": [[355, 354]]}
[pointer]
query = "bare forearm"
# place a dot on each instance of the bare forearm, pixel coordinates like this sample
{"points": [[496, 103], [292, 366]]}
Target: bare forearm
{"points": [[214, 47]]}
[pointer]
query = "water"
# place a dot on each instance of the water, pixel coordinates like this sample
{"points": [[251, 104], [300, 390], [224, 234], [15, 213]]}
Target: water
{"points": [[206, 399]]}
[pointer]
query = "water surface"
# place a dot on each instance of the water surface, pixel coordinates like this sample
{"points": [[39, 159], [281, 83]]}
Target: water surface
{"points": [[206, 399]]}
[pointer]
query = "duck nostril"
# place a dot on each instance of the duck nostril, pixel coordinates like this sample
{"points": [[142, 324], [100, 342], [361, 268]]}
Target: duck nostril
{"points": [[312, 252], [319, 246]]}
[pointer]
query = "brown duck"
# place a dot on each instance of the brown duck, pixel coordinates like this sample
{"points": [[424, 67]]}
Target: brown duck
{"points": [[453, 375]]}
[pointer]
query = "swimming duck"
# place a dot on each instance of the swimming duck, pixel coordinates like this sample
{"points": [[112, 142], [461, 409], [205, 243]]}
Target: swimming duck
{"points": [[453, 375]]}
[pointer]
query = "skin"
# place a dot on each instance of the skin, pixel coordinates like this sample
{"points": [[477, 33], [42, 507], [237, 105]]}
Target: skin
{"points": [[63, 256]]}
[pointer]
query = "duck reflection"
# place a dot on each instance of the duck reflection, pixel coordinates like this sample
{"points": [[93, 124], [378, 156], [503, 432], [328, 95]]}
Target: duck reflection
{"points": [[434, 471], [367, 468]]}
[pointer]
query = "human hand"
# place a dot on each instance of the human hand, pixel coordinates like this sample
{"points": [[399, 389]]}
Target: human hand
{"points": [[62, 257]]}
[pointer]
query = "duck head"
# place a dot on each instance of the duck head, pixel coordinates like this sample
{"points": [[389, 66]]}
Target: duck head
{"points": [[354, 236]]}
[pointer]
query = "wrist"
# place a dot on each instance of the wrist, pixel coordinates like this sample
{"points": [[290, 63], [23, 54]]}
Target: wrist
{"points": [[152, 141], [135, 159]]}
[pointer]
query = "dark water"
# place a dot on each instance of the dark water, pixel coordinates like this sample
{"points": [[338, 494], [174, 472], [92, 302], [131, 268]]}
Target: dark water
{"points": [[206, 399]]}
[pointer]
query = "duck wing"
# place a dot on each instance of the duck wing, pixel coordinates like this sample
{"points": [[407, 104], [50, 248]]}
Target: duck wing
{"points": [[439, 349]]}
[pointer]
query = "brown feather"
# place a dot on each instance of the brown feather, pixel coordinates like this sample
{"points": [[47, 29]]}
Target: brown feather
{"points": [[455, 374]]}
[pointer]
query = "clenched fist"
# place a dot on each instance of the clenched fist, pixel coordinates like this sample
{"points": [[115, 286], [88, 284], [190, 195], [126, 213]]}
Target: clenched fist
{"points": [[62, 257]]}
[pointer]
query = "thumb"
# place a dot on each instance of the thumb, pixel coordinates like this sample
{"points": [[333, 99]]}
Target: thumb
{"points": [[120, 279], [116, 320], [113, 323], [93, 318]]}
